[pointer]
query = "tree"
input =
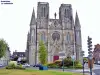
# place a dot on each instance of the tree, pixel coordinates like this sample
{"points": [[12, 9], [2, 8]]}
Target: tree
{"points": [[3, 47], [42, 53]]}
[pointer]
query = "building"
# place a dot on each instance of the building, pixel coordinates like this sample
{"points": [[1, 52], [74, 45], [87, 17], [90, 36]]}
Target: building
{"points": [[96, 53], [58, 34], [6, 58], [20, 55]]}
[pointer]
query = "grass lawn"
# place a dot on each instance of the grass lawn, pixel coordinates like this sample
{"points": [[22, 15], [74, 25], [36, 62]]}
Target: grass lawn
{"points": [[33, 72]]}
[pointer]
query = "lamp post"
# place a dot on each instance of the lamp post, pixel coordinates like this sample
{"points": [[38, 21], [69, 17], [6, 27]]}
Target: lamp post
{"points": [[62, 54], [73, 59], [63, 63], [82, 54]]}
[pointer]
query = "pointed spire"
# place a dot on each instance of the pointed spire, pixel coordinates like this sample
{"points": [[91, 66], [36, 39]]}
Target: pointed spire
{"points": [[33, 18], [77, 22]]}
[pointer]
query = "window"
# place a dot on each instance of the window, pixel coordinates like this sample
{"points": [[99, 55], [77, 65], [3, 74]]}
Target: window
{"points": [[33, 35], [43, 36], [65, 13], [78, 36], [44, 12], [68, 38]]}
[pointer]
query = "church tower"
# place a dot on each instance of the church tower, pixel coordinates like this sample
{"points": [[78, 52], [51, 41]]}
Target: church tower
{"points": [[42, 24], [42, 15], [66, 20], [78, 41], [32, 44], [65, 16]]}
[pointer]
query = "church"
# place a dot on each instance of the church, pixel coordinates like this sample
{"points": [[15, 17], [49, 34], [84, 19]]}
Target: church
{"points": [[58, 35]]}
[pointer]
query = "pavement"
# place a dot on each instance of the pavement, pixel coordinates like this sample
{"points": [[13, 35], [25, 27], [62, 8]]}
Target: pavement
{"points": [[95, 70], [86, 71]]}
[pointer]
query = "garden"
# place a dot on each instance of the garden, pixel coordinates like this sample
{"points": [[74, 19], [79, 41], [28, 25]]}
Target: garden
{"points": [[68, 64]]}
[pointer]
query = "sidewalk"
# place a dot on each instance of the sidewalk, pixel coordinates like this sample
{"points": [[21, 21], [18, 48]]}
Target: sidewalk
{"points": [[86, 71]]}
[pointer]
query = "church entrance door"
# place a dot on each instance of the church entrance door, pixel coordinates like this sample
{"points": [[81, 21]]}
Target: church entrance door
{"points": [[56, 57]]}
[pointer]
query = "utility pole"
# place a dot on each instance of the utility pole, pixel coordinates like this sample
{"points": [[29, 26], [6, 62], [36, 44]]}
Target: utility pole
{"points": [[90, 56], [82, 54]]}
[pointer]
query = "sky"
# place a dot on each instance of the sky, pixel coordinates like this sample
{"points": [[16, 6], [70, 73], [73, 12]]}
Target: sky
{"points": [[15, 20]]}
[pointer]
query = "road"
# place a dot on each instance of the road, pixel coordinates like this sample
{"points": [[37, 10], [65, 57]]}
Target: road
{"points": [[96, 70]]}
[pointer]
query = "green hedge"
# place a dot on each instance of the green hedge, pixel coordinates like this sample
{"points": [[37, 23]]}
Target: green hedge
{"points": [[52, 65], [79, 66], [13, 66], [68, 63]]}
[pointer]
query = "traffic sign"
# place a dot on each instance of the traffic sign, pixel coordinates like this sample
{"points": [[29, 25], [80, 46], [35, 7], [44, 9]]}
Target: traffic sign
{"points": [[90, 52]]}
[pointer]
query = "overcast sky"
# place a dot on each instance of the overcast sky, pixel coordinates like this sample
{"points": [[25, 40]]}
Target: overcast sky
{"points": [[15, 20]]}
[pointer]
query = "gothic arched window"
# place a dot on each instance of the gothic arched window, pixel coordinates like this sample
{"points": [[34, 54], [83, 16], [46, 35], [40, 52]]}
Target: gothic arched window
{"points": [[68, 37], [43, 36], [65, 13], [33, 35], [78, 37], [44, 11]]}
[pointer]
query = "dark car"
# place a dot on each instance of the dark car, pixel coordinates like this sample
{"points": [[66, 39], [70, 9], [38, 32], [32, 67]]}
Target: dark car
{"points": [[37, 65]]}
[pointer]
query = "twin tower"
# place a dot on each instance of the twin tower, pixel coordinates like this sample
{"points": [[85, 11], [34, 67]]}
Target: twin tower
{"points": [[59, 35]]}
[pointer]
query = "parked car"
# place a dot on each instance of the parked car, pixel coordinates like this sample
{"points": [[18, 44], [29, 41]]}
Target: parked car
{"points": [[37, 65], [26, 65], [1, 65]]}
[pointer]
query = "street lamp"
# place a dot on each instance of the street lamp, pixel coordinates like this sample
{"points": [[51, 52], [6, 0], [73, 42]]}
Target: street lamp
{"points": [[82, 54], [62, 54], [73, 59]]}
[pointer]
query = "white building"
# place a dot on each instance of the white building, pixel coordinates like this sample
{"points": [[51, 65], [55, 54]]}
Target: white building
{"points": [[5, 59]]}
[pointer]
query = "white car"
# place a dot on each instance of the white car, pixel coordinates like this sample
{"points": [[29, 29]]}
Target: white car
{"points": [[26, 65], [1, 65]]}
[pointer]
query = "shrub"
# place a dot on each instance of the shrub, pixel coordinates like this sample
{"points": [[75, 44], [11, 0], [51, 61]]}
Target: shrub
{"points": [[52, 65], [57, 62], [20, 67], [68, 62], [12, 62], [78, 66], [76, 62], [13, 66], [8, 67]]}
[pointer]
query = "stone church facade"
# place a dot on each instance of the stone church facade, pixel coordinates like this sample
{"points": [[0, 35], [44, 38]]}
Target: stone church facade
{"points": [[58, 35]]}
